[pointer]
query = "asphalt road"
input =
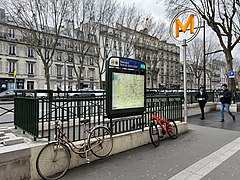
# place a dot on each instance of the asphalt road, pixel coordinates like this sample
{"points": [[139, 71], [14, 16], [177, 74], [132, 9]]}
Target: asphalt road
{"points": [[171, 158], [6, 113]]}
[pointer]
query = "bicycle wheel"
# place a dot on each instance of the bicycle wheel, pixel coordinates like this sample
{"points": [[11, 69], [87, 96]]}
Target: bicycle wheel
{"points": [[100, 141], [53, 161], [154, 134], [172, 129]]}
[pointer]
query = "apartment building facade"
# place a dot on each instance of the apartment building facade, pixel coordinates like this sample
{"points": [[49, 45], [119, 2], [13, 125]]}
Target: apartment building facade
{"points": [[16, 55]]}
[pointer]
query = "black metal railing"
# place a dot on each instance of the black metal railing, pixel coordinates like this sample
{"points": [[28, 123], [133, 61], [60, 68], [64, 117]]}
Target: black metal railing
{"points": [[36, 114]]}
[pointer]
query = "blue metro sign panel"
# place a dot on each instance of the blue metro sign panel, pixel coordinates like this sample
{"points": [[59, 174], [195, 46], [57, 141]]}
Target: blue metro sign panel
{"points": [[231, 74]]}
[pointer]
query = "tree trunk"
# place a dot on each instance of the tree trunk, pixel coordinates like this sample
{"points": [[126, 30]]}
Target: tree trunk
{"points": [[152, 79], [78, 82], [229, 58], [100, 81], [47, 76], [198, 82]]}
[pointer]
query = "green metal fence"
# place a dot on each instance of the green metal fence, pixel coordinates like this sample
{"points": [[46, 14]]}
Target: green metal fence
{"points": [[36, 115]]}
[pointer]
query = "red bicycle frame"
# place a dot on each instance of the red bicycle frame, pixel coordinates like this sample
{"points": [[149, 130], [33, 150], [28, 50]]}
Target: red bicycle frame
{"points": [[163, 123]]}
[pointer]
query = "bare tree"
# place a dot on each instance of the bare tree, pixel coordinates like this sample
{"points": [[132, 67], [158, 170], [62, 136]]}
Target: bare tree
{"points": [[40, 24], [128, 23], [105, 17], [148, 47], [222, 17], [81, 28], [195, 59], [195, 53]]}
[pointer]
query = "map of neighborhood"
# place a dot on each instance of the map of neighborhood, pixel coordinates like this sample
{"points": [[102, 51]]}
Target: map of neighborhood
{"points": [[127, 91]]}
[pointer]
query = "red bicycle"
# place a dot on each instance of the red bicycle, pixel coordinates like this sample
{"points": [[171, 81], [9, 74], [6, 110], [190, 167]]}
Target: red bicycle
{"points": [[168, 126]]}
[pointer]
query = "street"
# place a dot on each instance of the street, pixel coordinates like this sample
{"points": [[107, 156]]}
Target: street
{"points": [[170, 158], [6, 112]]}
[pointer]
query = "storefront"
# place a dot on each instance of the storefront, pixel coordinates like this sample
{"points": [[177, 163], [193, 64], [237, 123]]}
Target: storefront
{"points": [[9, 83]]}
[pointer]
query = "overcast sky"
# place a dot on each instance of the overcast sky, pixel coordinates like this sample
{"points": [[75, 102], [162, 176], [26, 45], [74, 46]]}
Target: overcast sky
{"points": [[153, 6]]}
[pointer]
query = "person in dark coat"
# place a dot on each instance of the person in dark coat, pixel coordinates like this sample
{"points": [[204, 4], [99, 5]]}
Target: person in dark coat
{"points": [[202, 98], [225, 99]]}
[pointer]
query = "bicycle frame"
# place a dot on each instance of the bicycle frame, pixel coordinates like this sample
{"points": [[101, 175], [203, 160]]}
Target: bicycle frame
{"points": [[162, 122], [61, 137]]}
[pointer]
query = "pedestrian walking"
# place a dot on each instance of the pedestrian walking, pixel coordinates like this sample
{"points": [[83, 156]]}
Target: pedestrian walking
{"points": [[225, 99], [202, 98]]}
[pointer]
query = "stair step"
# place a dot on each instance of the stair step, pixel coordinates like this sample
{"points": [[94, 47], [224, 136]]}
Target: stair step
{"points": [[3, 138], [13, 141], [6, 130], [2, 133]]}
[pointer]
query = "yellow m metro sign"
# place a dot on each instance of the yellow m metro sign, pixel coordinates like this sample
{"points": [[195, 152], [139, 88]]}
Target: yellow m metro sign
{"points": [[190, 22]]}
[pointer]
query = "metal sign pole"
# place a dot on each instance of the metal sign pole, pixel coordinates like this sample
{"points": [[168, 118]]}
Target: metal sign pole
{"points": [[185, 79]]}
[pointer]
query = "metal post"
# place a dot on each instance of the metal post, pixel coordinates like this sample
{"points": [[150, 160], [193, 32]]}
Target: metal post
{"points": [[65, 75], [15, 83], [204, 56], [185, 79], [15, 79]]}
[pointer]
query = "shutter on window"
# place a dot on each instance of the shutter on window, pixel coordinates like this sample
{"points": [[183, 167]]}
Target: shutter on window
{"points": [[26, 51], [7, 49], [17, 68], [26, 68], [1, 48], [34, 69], [1, 68], [6, 66], [16, 50]]}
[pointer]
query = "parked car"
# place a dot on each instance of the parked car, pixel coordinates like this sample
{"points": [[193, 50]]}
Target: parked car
{"points": [[99, 92], [87, 92], [7, 95]]}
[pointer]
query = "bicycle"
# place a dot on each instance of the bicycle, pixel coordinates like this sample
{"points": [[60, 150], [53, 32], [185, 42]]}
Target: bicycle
{"points": [[168, 126], [53, 160]]}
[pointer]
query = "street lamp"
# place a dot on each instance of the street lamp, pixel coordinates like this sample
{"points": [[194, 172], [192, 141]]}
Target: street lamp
{"points": [[65, 74], [204, 55]]}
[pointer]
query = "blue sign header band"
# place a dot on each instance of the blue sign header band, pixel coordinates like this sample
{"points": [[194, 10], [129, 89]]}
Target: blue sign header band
{"points": [[127, 63]]}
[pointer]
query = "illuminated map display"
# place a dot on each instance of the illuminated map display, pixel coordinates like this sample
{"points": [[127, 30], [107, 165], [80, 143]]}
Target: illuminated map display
{"points": [[125, 87], [127, 91]]}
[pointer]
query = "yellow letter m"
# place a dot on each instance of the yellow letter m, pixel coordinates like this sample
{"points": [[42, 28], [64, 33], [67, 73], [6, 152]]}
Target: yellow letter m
{"points": [[190, 22]]}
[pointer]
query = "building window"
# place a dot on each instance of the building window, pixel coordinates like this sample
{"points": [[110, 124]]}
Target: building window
{"points": [[70, 57], [59, 71], [59, 56], [91, 61], [47, 54], [70, 86], [12, 66], [59, 43], [11, 33], [30, 52], [69, 45], [30, 85], [30, 68], [70, 70], [12, 50]]}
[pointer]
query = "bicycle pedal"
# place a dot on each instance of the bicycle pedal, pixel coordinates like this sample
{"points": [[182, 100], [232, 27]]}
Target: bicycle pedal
{"points": [[88, 161]]}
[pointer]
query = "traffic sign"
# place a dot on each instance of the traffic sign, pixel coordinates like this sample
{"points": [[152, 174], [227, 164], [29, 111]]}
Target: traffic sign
{"points": [[231, 74], [15, 73]]}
